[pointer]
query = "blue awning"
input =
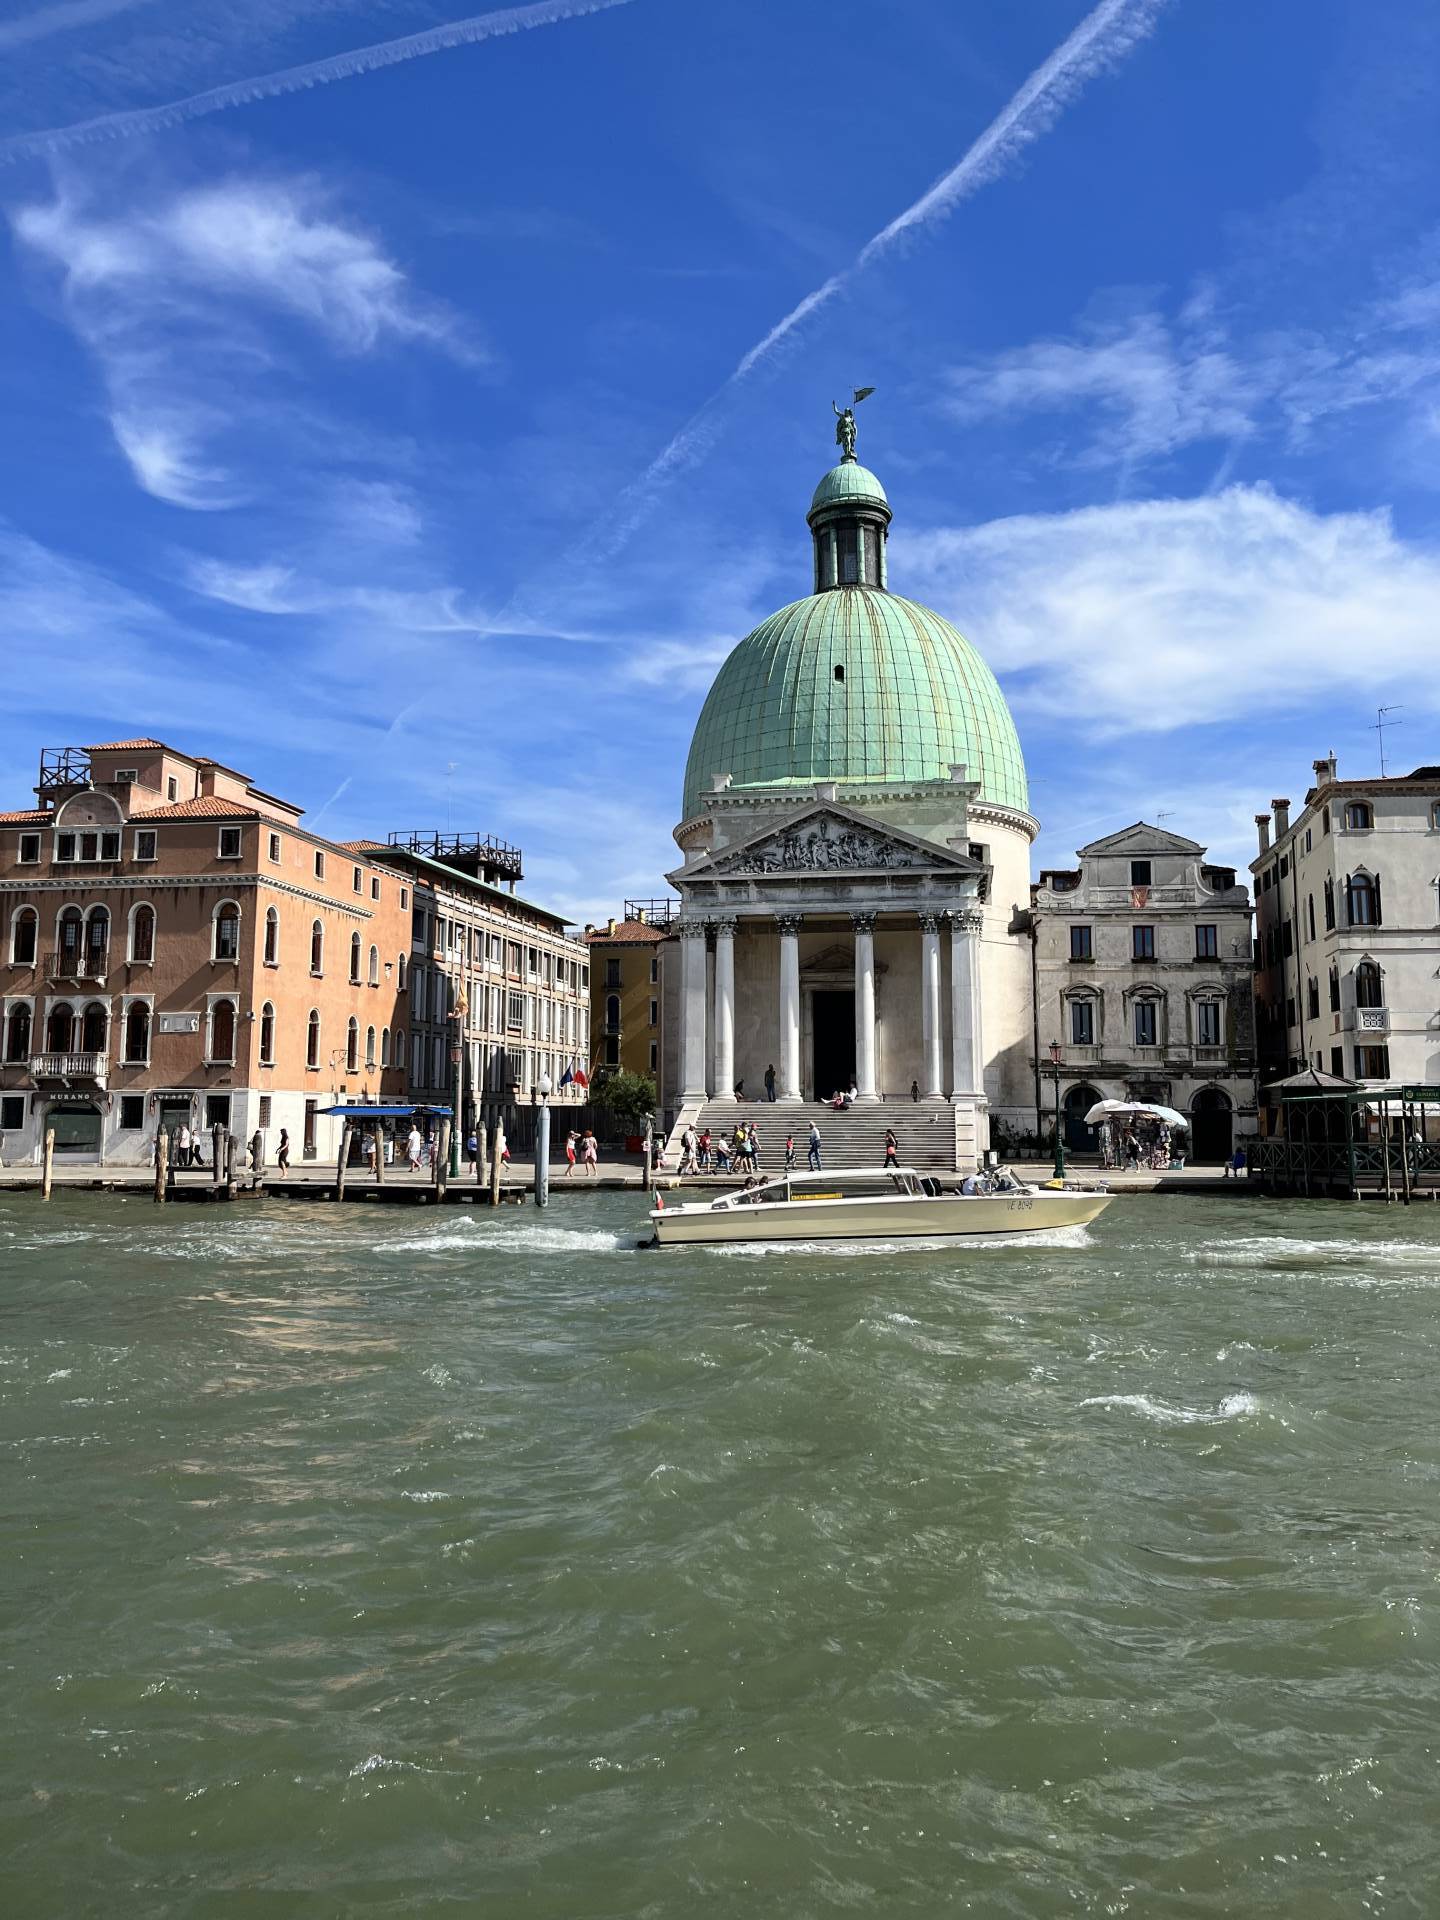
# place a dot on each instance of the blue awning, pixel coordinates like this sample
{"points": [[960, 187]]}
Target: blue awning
{"points": [[386, 1113]]}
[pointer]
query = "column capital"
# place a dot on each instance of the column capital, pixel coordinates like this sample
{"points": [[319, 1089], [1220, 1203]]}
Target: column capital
{"points": [[930, 922], [690, 929], [724, 925], [863, 922], [789, 923], [966, 920]]}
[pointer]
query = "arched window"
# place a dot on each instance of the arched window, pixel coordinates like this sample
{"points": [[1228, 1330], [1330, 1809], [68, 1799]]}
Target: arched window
{"points": [[312, 1039], [95, 1029], [1362, 900], [267, 1035], [612, 1012], [222, 1030], [97, 942], [400, 974], [70, 941], [17, 1033], [24, 937], [369, 1046], [374, 966], [272, 937], [142, 935], [59, 1030], [1369, 985], [354, 959], [384, 1046], [352, 1045], [137, 1032], [227, 931], [1329, 904]]}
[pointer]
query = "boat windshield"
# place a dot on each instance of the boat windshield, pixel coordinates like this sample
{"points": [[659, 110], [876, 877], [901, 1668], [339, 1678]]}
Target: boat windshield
{"points": [[862, 1183]]}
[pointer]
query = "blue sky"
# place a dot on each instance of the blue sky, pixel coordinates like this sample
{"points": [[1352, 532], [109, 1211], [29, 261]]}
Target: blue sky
{"points": [[383, 436]]}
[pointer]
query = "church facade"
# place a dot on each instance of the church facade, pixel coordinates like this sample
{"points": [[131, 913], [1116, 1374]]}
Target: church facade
{"points": [[856, 843]]}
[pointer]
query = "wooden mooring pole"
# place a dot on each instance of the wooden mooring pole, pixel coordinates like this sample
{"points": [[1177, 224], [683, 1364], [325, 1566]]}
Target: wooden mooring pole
{"points": [[47, 1164], [343, 1158], [497, 1161], [377, 1134], [442, 1159], [162, 1166]]}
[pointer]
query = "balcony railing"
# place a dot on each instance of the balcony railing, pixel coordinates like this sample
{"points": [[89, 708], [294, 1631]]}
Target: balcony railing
{"points": [[68, 1066], [90, 963], [1372, 1020]]}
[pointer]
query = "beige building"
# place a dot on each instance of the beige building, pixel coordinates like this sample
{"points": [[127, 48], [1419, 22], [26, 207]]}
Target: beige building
{"points": [[628, 958], [522, 981], [1347, 959], [1142, 977], [176, 947]]}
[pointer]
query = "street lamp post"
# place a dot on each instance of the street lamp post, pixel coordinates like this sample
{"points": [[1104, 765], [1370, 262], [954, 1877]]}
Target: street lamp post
{"points": [[457, 1060], [542, 1144], [1055, 1059]]}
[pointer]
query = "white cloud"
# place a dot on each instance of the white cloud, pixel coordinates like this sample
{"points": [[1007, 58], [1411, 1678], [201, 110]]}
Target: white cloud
{"points": [[171, 299], [1165, 614]]}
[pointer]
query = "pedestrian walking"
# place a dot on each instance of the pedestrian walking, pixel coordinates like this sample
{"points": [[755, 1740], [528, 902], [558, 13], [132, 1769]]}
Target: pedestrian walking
{"points": [[572, 1140], [707, 1158], [789, 1153], [414, 1147], [688, 1143], [892, 1148], [282, 1152], [590, 1154], [182, 1146], [915, 1090], [472, 1149], [770, 1084], [815, 1166]]}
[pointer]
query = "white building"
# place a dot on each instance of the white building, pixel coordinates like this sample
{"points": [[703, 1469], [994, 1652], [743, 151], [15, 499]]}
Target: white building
{"points": [[1143, 978], [1347, 900]]}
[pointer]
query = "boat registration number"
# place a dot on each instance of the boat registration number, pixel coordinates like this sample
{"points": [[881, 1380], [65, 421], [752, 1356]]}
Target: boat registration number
{"points": [[1019, 1206]]}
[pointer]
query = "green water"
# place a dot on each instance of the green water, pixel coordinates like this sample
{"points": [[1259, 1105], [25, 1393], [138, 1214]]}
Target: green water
{"points": [[373, 1561]]}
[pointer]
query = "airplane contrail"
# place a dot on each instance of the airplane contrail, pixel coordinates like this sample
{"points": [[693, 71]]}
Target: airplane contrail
{"points": [[1103, 37], [60, 19], [266, 86]]}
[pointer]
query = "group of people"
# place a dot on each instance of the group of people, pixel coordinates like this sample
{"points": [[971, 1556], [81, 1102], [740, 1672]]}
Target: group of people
{"points": [[997, 1179], [585, 1148], [1139, 1142], [734, 1152]]}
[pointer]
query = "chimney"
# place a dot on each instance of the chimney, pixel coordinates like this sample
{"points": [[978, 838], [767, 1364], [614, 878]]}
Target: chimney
{"points": [[1325, 771], [1262, 822], [640, 913], [1281, 810], [610, 925]]}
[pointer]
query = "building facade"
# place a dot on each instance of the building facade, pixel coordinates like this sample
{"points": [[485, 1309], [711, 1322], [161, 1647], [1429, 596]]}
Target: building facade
{"points": [[855, 841], [1143, 981], [628, 958], [518, 982], [1347, 954], [176, 947]]}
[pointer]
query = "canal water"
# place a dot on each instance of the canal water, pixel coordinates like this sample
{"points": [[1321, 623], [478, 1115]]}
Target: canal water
{"points": [[377, 1561]]}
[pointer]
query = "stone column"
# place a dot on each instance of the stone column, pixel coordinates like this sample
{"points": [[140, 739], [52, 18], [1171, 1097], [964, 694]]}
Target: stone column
{"points": [[864, 1005], [692, 1011], [789, 925], [965, 1038], [932, 1086], [725, 1009]]}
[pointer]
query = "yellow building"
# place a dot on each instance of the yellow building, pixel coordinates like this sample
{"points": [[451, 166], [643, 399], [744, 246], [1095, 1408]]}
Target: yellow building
{"points": [[627, 963]]}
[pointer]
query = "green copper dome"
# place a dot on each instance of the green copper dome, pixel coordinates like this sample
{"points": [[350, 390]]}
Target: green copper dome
{"points": [[848, 484], [914, 699]]}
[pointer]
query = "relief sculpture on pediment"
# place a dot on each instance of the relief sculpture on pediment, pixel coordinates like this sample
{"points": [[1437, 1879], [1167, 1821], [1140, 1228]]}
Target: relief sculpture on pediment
{"points": [[823, 846]]}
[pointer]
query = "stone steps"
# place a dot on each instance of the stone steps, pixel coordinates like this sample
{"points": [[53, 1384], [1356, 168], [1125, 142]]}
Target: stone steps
{"points": [[852, 1139]]}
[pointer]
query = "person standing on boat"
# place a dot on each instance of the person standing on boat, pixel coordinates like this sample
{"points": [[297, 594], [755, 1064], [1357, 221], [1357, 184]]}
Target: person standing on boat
{"points": [[815, 1166], [892, 1148]]}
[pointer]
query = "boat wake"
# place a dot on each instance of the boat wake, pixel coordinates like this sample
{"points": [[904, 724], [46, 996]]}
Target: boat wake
{"points": [[1235, 1406], [1063, 1238]]}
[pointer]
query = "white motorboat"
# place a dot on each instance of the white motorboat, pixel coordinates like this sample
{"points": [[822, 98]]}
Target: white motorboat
{"points": [[863, 1204]]}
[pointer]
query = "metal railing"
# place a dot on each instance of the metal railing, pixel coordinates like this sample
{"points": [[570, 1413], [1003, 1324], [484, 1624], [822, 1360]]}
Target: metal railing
{"points": [[80, 963]]}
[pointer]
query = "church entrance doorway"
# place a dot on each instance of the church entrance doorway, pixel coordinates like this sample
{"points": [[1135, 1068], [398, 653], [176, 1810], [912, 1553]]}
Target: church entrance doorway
{"points": [[832, 1022], [1211, 1137]]}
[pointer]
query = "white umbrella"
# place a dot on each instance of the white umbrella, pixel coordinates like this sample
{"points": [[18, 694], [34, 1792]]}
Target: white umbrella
{"points": [[1112, 1109]]}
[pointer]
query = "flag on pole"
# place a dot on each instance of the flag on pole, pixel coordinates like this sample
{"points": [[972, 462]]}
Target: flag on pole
{"points": [[582, 1079], [567, 1076]]}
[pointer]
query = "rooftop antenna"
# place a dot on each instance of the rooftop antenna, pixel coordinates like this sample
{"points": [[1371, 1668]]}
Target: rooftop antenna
{"points": [[1167, 814], [1380, 725]]}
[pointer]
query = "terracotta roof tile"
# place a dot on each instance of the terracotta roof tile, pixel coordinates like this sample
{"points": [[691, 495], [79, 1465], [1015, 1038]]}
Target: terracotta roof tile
{"points": [[631, 930], [203, 807], [125, 746], [364, 846], [24, 817]]}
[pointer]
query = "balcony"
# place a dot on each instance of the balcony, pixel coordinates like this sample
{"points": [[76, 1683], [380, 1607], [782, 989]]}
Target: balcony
{"points": [[1370, 1020], [91, 964], [69, 1067]]}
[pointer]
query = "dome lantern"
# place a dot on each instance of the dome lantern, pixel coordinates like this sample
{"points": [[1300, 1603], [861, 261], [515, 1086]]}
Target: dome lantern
{"points": [[849, 516]]}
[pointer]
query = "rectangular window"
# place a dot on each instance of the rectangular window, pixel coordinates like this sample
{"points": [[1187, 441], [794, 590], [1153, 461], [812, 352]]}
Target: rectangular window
{"points": [[654, 1056], [1207, 943], [1145, 1027], [1081, 944], [1289, 1010], [532, 961], [654, 968], [1335, 991], [319, 864], [145, 843], [1312, 1000], [1207, 1023], [1309, 840], [275, 848], [654, 1013], [1309, 916], [1287, 938], [229, 843], [515, 1014], [1284, 866], [64, 846], [514, 956], [172, 788], [264, 1110], [1337, 1054], [374, 886], [359, 880], [12, 1112], [1372, 1063], [1082, 1023], [1139, 873], [132, 1112], [29, 849], [612, 973], [1142, 943], [1325, 828]]}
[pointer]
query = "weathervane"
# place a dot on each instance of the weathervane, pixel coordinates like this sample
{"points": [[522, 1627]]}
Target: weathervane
{"points": [[845, 423]]}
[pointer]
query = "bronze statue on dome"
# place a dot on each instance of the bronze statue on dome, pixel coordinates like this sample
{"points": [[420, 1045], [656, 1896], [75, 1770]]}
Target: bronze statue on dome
{"points": [[845, 423]]}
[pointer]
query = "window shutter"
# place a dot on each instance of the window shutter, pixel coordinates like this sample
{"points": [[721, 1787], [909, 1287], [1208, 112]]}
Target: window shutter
{"points": [[1349, 901], [1375, 884]]}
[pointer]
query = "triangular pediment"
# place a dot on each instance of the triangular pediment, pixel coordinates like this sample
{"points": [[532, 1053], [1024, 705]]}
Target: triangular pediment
{"points": [[1142, 838], [833, 839]]}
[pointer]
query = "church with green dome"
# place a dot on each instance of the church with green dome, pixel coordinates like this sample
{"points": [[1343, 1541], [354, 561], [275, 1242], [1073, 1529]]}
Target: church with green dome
{"points": [[856, 836]]}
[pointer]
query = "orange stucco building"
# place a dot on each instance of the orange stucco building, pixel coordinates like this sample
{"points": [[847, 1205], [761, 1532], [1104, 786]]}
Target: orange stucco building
{"points": [[175, 946]]}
